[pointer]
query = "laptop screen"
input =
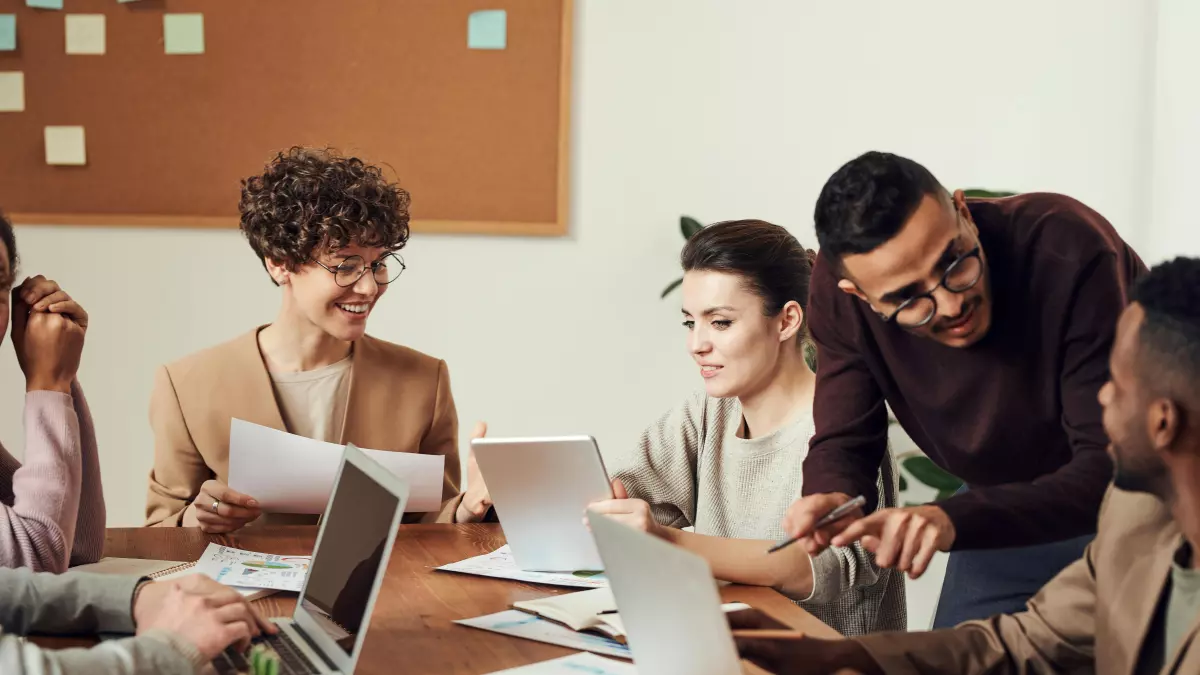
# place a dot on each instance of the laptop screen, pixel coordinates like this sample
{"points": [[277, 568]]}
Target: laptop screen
{"points": [[345, 566]]}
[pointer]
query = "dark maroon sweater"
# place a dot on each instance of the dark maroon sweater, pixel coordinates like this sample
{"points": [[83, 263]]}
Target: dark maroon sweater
{"points": [[1014, 415]]}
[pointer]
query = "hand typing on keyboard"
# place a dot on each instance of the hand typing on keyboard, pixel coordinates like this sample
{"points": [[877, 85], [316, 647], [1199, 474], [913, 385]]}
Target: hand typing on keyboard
{"points": [[200, 611]]}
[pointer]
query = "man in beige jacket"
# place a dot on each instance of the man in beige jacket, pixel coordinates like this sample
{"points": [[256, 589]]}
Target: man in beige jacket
{"points": [[1131, 605]]}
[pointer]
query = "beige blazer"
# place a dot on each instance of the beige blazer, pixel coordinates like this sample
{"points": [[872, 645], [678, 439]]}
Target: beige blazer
{"points": [[399, 400], [1092, 617]]}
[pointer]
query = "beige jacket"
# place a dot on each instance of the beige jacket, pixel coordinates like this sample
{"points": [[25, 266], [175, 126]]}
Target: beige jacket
{"points": [[1092, 617], [399, 400]]}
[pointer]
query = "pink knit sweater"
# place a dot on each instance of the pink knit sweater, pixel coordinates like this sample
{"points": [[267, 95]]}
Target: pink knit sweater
{"points": [[52, 507]]}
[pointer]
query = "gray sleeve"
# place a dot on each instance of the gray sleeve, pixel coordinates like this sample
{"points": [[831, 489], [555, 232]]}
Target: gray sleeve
{"points": [[662, 468], [149, 654], [74, 602], [837, 570]]}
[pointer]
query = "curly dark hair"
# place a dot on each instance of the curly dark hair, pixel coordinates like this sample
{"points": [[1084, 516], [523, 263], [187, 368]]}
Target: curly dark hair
{"points": [[310, 201], [1170, 332], [10, 242]]}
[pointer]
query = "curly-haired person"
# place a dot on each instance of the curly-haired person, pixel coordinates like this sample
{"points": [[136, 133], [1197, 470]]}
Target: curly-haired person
{"points": [[327, 229]]}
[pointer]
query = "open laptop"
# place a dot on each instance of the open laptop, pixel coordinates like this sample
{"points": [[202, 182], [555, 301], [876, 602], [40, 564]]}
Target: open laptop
{"points": [[541, 488], [668, 602], [325, 633]]}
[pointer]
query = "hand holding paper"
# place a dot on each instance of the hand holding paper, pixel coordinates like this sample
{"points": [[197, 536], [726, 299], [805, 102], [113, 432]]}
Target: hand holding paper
{"points": [[291, 474]]}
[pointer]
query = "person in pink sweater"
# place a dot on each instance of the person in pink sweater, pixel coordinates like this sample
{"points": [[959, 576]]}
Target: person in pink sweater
{"points": [[52, 505]]}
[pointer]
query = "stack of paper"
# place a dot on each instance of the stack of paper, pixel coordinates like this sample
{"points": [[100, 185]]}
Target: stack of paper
{"points": [[249, 569], [500, 564]]}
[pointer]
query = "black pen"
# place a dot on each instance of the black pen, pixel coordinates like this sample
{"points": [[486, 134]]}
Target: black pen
{"points": [[831, 517], [607, 611]]}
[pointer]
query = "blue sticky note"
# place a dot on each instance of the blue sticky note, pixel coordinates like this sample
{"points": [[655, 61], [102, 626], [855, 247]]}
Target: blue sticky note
{"points": [[487, 29], [44, 4], [8, 32]]}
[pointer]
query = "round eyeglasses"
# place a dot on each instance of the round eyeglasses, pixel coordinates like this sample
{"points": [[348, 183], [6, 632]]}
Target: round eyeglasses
{"points": [[960, 276], [349, 271]]}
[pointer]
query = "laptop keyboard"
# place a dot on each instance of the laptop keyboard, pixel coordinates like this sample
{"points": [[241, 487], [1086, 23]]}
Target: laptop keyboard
{"points": [[291, 659]]}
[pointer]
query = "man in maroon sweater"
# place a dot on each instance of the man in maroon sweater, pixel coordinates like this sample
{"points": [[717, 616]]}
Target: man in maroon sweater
{"points": [[986, 326]]}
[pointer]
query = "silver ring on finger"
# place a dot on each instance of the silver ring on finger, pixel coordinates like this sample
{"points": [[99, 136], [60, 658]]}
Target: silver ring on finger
{"points": [[216, 505]]}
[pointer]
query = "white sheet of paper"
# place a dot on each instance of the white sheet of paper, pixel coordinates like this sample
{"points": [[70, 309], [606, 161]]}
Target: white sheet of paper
{"points": [[500, 564], [12, 92], [575, 664], [85, 34], [531, 627], [65, 145], [287, 473]]}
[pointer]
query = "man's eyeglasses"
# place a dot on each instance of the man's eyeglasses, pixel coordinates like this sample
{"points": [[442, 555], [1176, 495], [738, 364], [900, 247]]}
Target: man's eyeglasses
{"points": [[960, 276], [349, 271]]}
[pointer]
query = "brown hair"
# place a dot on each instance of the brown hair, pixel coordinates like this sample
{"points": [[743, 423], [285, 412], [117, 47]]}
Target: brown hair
{"points": [[308, 201], [769, 259]]}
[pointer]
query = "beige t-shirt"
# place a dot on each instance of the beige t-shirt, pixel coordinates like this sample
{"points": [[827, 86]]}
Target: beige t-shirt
{"points": [[313, 402]]}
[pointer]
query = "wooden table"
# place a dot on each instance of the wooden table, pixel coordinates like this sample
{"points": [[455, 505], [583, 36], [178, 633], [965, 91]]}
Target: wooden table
{"points": [[412, 629]]}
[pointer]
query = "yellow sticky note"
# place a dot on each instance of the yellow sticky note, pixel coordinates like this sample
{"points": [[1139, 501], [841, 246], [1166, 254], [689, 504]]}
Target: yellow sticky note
{"points": [[65, 145], [12, 92], [85, 34], [183, 33]]}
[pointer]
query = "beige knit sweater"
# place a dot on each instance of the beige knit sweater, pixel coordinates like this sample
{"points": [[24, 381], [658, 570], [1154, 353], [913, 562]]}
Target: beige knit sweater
{"points": [[694, 470]]}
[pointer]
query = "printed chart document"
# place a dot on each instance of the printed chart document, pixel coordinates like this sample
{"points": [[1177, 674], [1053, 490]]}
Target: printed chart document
{"points": [[500, 564], [287, 473], [575, 664], [531, 627], [249, 569]]}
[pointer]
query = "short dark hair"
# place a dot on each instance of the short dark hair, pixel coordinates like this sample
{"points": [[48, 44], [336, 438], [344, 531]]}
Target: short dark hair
{"points": [[868, 200], [769, 259], [309, 201], [10, 242], [1169, 338]]}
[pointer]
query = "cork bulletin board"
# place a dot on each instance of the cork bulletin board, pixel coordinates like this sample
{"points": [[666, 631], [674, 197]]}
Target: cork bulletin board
{"points": [[478, 136]]}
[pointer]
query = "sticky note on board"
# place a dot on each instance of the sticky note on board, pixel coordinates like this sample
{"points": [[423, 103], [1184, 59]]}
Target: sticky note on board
{"points": [[85, 34], [183, 33], [44, 4], [65, 146], [12, 92], [487, 29], [8, 32]]}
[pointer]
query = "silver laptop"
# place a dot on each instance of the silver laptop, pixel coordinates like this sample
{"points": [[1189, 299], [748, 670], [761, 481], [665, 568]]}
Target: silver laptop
{"points": [[668, 602], [541, 488], [354, 544]]}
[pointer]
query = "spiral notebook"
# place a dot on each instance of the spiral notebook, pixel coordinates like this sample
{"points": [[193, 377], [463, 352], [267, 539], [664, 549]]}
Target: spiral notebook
{"points": [[158, 570]]}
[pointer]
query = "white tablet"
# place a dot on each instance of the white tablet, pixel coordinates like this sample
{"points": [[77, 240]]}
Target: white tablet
{"points": [[541, 488]]}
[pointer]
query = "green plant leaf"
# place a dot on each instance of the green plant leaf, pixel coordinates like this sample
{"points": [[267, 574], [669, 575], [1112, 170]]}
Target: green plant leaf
{"points": [[689, 226], [924, 470], [903, 483], [987, 194], [670, 287], [810, 356]]}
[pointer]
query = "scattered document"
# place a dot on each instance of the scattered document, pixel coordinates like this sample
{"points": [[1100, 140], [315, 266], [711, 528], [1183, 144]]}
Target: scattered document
{"points": [[249, 569], [8, 32], [593, 610], [487, 29], [85, 34], [65, 146], [44, 4], [500, 564], [12, 92], [287, 473], [530, 627], [576, 664], [183, 33]]}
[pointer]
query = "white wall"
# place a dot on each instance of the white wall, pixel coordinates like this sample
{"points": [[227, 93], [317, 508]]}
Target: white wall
{"points": [[1176, 145], [710, 108]]}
